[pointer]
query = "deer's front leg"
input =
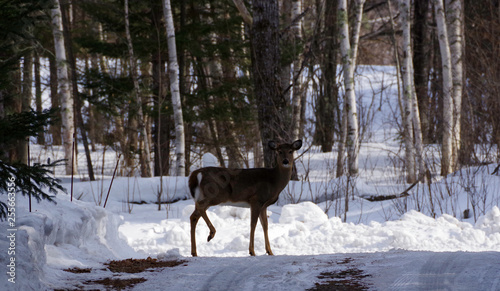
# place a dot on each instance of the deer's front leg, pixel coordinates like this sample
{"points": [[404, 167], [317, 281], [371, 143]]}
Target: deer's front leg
{"points": [[254, 216], [263, 221]]}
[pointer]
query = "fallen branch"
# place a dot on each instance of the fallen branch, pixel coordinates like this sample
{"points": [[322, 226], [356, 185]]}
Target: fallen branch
{"points": [[111, 184], [405, 193], [496, 169]]}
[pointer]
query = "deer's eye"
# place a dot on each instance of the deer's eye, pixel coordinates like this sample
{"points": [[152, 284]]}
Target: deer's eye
{"points": [[290, 152], [280, 152]]}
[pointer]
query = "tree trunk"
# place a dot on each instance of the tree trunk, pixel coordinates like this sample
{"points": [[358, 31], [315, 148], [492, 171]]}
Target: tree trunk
{"points": [[447, 161], [286, 43], [296, 71], [352, 140], [266, 71], [162, 122], [67, 114], [144, 152], [184, 68], [421, 63], [418, 136], [26, 96], [455, 32], [55, 128], [173, 69], [406, 115], [341, 155], [76, 95], [40, 138], [356, 30], [326, 111]]}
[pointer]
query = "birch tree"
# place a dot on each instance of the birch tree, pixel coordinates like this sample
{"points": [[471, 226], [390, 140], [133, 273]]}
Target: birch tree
{"points": [[407, 92], [66, 23], [350, 110], [296, 75], [67, 113], [144, 155], [454, 19], [356, 30], [447, 161], [173, 69], [410, 111]]}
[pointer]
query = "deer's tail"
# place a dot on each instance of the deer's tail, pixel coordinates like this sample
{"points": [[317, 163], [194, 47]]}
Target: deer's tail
{"points": [[194, 184]]}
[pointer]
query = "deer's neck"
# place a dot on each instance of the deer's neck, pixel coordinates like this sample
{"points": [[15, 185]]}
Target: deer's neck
{"points": [[283, 176]]}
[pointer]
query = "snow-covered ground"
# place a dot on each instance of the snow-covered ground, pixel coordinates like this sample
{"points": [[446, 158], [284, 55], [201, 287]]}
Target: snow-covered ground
{"points": [[420, 242], [413, 252]]}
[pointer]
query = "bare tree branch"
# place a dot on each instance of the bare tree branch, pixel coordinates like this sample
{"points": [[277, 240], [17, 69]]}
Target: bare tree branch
{"points": [[243, 11]]}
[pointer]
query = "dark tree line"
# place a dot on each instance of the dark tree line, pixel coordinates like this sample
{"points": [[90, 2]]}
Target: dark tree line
{"points": [[243, 73]]}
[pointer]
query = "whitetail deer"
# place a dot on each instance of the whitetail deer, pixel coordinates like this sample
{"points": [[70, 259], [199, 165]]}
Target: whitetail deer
{"points": [[255, 188]]}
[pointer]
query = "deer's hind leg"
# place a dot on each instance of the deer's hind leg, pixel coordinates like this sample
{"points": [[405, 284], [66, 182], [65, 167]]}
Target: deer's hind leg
{"points": [[197, 213], [194, 220], [209, 224]]}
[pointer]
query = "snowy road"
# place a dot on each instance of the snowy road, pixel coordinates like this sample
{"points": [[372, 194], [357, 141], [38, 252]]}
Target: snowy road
{"points": [[394, 270], [401, 270]]}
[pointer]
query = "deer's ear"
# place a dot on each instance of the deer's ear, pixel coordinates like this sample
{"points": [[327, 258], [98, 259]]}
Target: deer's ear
{"points": [[296, 145], [272, 145]]}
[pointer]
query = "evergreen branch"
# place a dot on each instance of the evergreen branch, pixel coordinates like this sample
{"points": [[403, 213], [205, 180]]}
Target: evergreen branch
{"points": [[29, 180]]}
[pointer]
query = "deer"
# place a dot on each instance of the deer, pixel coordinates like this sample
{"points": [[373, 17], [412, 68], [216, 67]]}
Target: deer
{"points": [[255, 188]]}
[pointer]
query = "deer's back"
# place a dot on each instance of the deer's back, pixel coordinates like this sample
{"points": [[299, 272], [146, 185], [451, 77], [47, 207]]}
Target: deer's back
{"points": [[222, 185]]}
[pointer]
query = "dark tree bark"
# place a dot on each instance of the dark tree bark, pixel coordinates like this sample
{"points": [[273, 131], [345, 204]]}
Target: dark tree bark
{"points": [[55, 128], [266, 75], [162, 120], [76, 95], [26, 96], [161, 133], [183, 88], [421, 62], [327, 99], [38, 95]]}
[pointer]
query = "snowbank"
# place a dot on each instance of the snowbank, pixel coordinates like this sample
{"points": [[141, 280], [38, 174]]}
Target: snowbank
{"points": [[304, 229], [57, 236]]}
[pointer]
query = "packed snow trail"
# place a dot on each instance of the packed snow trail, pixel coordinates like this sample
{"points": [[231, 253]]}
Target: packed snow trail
{"points": [[393, 270], [402, 270]]}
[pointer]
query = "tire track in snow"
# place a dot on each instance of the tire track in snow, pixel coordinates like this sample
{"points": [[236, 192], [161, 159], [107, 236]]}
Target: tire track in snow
{"points": [[439, 272], [236, 276], [268, 273], [461, 271], [415, 271]]}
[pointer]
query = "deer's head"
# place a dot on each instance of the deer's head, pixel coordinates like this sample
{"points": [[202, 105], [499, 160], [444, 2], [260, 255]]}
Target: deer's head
{"points": [[284, 152]]}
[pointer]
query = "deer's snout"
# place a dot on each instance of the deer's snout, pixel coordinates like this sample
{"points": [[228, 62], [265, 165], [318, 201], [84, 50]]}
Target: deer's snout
{"points": [[286, 162]]}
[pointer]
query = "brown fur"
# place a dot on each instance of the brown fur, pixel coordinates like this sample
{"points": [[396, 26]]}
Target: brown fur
{"points": [[257, 188]]}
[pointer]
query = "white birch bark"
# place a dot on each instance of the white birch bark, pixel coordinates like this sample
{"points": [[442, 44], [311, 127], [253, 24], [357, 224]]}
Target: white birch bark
{"points": [[447, 145], [63, 89], [417, 129], [145, 155], [454, 17], [406, 115], [297, 82], [396, 57], [352, 141], [173, 69], [356, 30]]}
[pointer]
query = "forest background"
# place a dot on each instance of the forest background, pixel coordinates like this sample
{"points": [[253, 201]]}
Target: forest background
{"points": [[241, 75]]}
